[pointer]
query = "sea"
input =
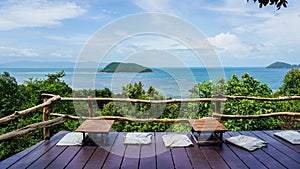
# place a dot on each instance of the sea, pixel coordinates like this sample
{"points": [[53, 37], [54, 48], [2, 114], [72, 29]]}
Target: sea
{"points": [[171, 82]]}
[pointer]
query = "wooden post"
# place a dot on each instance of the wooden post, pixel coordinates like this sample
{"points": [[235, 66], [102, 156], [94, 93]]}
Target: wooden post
{"points": [[90, 108], [218, 107], [46, 115], [217, 104]]}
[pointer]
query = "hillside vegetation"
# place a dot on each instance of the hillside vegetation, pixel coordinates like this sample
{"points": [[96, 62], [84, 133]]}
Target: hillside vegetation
{"points": [[115, 67], [282, 65], [16, 96]]}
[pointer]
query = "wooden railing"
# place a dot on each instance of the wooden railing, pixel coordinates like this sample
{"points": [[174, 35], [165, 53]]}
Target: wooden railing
{"points": [[49, 99]]}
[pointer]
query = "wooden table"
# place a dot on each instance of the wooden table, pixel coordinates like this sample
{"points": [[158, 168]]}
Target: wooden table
{"points": [[94, 127], [210, 128]]}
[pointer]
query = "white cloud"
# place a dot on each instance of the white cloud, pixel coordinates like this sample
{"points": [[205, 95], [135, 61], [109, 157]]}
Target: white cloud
{"points": [[228, 44], [36, 13], [154, 5], [9, 51], [232, 7], [71, 39], [275, 34], [283, 28], [106, 11], [55, 54], [178, 8], [148, 42]]}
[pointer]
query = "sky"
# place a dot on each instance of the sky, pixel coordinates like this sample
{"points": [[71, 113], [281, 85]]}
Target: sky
{"points": [[241, 34]]}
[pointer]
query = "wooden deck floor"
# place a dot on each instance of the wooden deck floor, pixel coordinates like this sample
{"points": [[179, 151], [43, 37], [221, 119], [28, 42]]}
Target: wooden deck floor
{"points": [[278, 154]]}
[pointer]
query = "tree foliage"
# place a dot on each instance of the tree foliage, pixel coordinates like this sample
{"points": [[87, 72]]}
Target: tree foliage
{"points": [[291, 83], [15, 96], [277, 3], [18, 97]]}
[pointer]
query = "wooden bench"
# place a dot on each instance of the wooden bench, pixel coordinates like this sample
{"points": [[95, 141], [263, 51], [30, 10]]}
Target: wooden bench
{"points": [[207, 130], [95, 127]]}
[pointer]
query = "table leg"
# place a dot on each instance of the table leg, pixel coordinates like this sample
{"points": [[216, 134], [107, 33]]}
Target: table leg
{"points": [[84, 138]]}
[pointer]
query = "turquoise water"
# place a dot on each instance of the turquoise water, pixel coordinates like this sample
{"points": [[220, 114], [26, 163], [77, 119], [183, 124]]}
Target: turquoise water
{"points": [[172, 82]]}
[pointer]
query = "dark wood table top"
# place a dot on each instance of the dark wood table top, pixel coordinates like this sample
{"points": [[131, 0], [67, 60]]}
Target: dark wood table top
{"points": [[207, 124], [95, 126]]}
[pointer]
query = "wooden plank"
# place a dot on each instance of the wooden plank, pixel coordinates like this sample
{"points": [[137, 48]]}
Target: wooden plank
{"points": [[232, 159], [95, 126], [196, 156], [278, 154], [13, 159], [285, 156], [213, 158], [262, 156], [281, 147], [65, 157], [295, 147], [180, 158], [48, 157], [115, 157], [147, 158], [99, 156], [246, 156], [163, 154], [131, 156], [36, 153], [81, 157]]}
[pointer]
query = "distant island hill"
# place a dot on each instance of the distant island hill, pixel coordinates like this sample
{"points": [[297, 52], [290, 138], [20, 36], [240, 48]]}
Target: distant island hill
{"points": [[282, 65], [119, 67]]}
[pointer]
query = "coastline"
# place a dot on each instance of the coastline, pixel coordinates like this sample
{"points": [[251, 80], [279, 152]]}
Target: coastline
{"points": [[170, 81]]}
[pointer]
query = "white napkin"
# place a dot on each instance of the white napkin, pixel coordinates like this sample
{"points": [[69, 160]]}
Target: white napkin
{"points": [[71, 139], [138, 138], [247, 142], [290, 136], [176, 140]]}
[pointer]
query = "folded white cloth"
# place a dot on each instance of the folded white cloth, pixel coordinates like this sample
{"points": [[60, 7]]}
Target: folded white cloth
{"points": [[138, 138], [247, 142], [290, 136], [176, 140], [71, 139]]}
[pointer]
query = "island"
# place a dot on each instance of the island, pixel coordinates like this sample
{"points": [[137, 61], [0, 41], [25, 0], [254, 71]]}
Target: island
{"points": [[282, 65], [116, 67]]}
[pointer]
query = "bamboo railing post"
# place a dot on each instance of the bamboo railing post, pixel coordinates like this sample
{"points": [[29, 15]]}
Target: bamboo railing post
{"points": [[46, 115], [90, 108]]}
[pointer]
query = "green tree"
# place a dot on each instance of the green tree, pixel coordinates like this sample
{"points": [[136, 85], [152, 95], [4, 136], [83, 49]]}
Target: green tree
{"points": [[9, 97], [18, 97], [277, 3], [290, 87], [291, 83], [249, 86]]}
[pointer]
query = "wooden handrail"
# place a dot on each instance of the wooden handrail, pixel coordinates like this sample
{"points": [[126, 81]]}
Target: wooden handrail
{"points": [[31, 127], [215, 115], [219, 98], [145, 101], [17, 114], [275, 114], [262, 98], [119, 118]]}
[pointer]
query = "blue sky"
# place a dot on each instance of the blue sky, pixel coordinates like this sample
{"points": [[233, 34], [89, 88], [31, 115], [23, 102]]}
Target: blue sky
{"points": [[240, 33]]}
